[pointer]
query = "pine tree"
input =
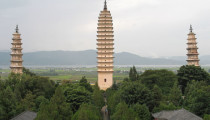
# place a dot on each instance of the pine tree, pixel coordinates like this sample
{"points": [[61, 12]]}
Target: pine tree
{"points": [[175, 95]]}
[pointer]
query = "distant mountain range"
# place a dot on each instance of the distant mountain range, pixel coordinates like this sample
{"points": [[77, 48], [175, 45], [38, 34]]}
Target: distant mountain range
{"points": [[88, 57]]}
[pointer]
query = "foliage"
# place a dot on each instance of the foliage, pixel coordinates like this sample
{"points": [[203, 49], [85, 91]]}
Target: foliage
{"points": [[134, 98], [19, 93], [39, 86], [123, 112], [28, 72], [157, 95], [56, 109], [175, 95], [142, 111], [133, 75], [87, 112], [83, 82], [135, 92], [206, 117], [198, 98], [164, 106], [190, 72], [38, 101], [113, 98], [7, 104], [76, 95], [97, 97], [164, 79], [28, 103]]}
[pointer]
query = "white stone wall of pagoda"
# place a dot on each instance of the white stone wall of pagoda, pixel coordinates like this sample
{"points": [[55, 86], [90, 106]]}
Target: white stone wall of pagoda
{"points": [[192, 49], [16, 54], [105, 50]]}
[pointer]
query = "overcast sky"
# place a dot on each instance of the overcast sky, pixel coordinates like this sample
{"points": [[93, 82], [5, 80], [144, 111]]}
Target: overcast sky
{"points": [[152, 28]]}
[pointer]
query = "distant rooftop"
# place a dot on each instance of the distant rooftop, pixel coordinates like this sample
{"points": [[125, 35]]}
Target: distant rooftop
{"points": [[180, 114], [27, 115]]}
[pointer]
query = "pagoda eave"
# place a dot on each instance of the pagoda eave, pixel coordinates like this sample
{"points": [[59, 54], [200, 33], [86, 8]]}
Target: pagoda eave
{"points": [[105, 35], [16, 60], [105, 39], [16, 43], [105, 43], [105, 57], [105, 48], [105, 31], [105, 52], [193, 60], [105, 28], [16, 54], [16, 48], [105, 23], [100, 71], [106, 62], [192, 48], [16, 66], [192, 54]]}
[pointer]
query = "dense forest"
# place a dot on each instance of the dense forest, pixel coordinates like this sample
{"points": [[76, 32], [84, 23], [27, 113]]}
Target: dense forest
{"points": [[135, 98], [155, 90]]}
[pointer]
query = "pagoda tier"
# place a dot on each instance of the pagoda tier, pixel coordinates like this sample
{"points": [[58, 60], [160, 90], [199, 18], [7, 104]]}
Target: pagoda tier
{"points": [[192, 49], [16, 54], [105, 49]]}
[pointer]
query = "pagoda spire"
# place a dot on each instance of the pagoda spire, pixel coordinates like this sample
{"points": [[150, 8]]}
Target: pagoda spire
{"points": [[192, 49], [105, 47], [105, 5], [191, 29], [16, 29], [16, 53]]}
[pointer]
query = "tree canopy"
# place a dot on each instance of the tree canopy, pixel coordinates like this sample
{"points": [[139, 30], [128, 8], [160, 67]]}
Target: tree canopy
{"points": [[187, 73]]}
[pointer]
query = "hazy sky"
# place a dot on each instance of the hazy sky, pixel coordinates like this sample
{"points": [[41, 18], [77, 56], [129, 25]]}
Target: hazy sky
{"points": [[152, 28]]}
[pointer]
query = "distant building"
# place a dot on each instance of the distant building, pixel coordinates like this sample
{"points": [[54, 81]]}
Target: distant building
{"points": [[16, 55], [27, 115], [192, 49], [181, 114], [105, 49]]}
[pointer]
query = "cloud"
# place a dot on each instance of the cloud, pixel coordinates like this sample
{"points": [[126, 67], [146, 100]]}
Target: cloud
{"points": [[144, 27]]}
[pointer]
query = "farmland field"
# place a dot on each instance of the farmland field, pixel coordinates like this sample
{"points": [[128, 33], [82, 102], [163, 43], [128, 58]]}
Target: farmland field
{"points": [[74, 74]]}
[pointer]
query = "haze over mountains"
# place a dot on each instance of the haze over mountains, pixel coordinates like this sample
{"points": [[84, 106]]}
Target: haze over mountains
{"points": [[88, 57]]}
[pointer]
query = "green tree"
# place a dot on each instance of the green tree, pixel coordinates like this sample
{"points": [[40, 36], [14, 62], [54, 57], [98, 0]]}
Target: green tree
{"points": [[76, 95], [164, 79], [20, 90], [84, 82], [28, 72], [142, 111], [39, 86], [164, 106], [87, 112], [2, 112], [12, 80], [133, 75], [188, 73], [38, 101], [197, 98], [157, 94], [2, 85], [97, 97], [135, 92], [123, 112], [7, 104], [57, 109], [46, 111], [28, 102], [206, 117], [113, 98], [175, 95]]}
